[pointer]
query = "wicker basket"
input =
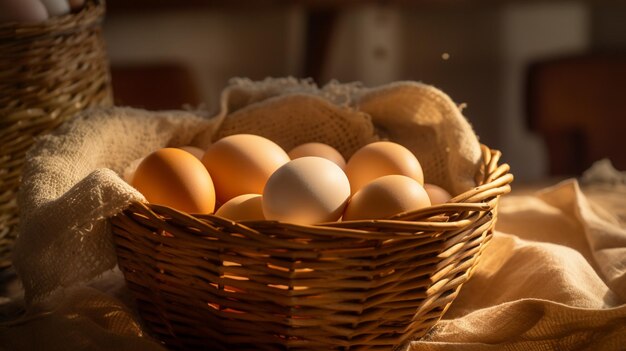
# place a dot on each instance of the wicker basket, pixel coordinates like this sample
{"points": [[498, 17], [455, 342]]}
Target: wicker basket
{"points": [[204, 282], [48, 72]]}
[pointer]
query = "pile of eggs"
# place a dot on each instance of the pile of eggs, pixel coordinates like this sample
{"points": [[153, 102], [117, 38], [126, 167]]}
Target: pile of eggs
{"points": [[34, 11], [249, 177]]}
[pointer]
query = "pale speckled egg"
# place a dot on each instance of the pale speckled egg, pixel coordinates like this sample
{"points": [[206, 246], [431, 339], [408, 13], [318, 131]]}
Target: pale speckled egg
{"points": [[386, 196], [320, 150], [306, 190], [196, 151], [242, 207], [379, 159], [437, 194], [242, 163], [175, 178]]}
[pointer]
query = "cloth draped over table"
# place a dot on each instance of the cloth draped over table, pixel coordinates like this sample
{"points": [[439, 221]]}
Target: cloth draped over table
{"points": [[552, 278]]}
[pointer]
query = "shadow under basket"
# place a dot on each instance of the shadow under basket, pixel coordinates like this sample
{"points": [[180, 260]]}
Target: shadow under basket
{"points": [[49, 71], [205, 282]]}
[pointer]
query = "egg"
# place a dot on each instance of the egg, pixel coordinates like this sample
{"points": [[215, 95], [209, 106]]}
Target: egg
{"points": [[437, 194], [379, 159], [26, 11], [243, 207], [175, 178], [386, 196], [242, 163], [306, 190], [56, 7], [318, 149], [196, 151]]}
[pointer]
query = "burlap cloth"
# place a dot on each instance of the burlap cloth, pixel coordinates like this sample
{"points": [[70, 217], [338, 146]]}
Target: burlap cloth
{"points": [[553, 277]]}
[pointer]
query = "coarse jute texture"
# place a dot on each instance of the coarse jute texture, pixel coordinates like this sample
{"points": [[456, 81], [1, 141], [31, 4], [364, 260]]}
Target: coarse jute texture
{"points": [[50, 71], [71, 187]]}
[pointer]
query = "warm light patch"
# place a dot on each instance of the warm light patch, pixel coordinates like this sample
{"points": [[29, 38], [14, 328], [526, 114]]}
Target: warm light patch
{"points": [[285, 287], [234, 277]]}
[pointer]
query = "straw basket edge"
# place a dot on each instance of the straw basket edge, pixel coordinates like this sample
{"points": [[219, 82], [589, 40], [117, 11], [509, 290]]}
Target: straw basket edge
{"points": [[50, 71], [204, 281]]}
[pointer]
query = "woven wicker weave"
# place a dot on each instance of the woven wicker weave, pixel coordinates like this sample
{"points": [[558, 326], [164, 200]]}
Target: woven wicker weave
{"points": [[203, 282], [48, 72]]}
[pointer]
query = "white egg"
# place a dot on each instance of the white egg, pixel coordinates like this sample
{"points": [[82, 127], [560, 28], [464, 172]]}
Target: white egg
{"points": [[306, 190], [56, 7], [25, 11]]}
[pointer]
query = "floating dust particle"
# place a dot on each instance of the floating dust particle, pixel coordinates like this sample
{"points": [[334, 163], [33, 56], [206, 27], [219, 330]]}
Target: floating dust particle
{"points": [[445, 56]]}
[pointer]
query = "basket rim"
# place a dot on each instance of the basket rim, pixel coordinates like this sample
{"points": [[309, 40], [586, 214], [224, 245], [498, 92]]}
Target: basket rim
{"points": [[428, 255], [462, 211]]}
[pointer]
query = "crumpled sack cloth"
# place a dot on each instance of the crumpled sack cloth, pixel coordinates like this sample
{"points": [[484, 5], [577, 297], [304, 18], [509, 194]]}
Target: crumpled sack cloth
{"points": [[552, 278]]}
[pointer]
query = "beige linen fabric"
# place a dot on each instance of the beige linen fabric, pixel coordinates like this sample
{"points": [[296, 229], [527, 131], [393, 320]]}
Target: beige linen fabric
{"points": [[552, 278], [71, 187]]}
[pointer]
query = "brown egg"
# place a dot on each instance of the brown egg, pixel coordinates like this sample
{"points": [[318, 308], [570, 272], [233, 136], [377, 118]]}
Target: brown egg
{"points": [[386, 196], [380, 159], [437, 194], [175, 178], [242, 207], [320, 150], [196, 151], [241, 164]]}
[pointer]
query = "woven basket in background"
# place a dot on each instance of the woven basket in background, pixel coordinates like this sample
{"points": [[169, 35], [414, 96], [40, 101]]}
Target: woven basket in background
{"points": [[205, 282], [48, 72]]}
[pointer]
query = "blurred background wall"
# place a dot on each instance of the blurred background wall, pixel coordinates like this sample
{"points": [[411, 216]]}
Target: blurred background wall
{"points": [[477, 52]]}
